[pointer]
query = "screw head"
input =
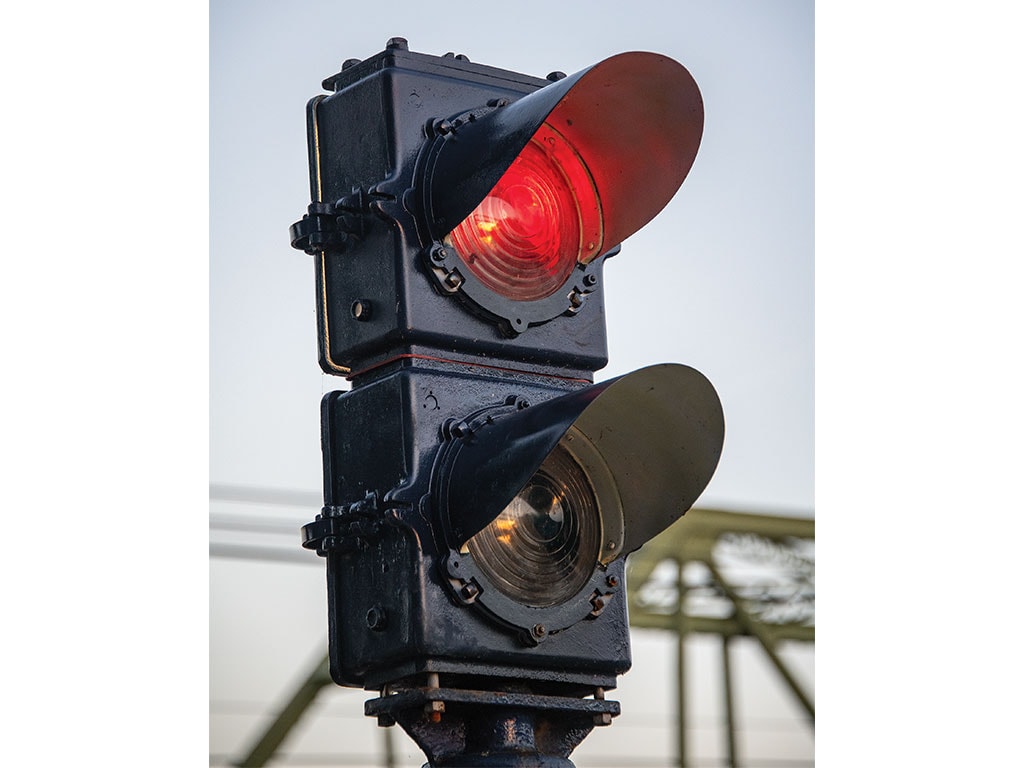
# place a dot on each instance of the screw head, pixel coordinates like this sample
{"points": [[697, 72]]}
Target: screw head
{"points": [[377, 618]]}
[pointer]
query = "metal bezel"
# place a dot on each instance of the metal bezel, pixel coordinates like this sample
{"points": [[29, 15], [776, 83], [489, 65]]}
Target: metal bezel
{"points": [[470, 585], [531, 624], [451, 275]]}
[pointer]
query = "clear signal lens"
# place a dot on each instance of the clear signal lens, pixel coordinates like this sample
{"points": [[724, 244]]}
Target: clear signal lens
{"points": [[543, 547], [541, 218]]}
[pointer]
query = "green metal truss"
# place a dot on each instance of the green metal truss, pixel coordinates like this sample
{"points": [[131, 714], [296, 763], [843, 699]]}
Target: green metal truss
{"points": [[729, 574]]}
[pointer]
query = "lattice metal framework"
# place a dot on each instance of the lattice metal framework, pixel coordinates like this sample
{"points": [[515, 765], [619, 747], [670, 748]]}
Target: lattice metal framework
{"points": [[729, 574], [725, 573]]}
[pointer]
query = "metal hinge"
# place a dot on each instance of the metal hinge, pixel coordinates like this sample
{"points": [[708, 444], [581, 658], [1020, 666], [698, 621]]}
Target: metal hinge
{"points": [[318, 230], [345, 528], [329, 226]]}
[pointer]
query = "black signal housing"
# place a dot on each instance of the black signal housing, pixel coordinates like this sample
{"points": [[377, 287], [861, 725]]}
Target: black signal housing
{"points": [[408, 145]]}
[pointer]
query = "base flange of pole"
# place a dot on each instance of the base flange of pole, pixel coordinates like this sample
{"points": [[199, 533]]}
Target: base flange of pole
{"points": [[458, 728]]}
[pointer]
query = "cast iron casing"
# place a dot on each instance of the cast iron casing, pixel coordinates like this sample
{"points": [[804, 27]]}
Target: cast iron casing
{"points": [[393, 611], [377, 300]]}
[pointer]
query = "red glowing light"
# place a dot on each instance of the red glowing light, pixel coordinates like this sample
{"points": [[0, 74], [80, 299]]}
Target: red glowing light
{"points": [[541, 219]]}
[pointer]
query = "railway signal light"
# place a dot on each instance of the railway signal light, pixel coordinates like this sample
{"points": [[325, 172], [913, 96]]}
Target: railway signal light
{"points": [[502, 192], [480, 491]]}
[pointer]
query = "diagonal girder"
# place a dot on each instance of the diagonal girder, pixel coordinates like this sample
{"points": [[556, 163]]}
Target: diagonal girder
{"points": [[691, 539]]}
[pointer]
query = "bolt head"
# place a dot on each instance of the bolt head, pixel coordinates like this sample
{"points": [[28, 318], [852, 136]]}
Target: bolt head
{"points": [[362, 309]]}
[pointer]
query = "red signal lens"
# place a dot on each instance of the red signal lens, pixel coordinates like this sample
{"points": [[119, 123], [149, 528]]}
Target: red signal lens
{"points": [[541, 219]]}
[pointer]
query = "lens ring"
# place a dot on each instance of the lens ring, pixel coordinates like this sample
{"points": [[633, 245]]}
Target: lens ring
{"points": [[543, 547]]}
